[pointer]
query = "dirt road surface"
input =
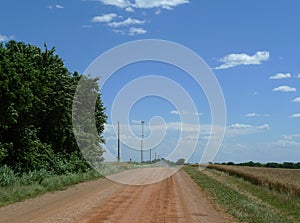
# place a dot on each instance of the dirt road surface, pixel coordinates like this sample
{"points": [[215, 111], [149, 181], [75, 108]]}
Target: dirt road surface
{"points": [[175, 199]]}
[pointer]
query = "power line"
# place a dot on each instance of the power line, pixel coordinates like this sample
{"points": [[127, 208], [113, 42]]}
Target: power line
{"points": [[119, 142], [142, 122]]}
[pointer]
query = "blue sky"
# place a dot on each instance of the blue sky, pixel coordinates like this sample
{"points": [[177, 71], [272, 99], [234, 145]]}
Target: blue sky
{"points": [[252, 47]]}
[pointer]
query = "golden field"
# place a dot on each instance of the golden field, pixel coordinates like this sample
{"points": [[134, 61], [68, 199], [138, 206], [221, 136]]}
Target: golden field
{"points": [[284, 180]]}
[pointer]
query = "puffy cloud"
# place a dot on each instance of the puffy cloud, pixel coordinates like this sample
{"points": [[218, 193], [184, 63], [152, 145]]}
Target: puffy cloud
{"points": [[105, 18], [285, 89], [252, 115], [129, 9], [233, 60], [145, 4], [263, 127], [3, 38], [117, 3], [281, 76], [159, 3], [127, 22], [245, 129], [136, 31], [295, 115], [296, 100], [175, 112]]}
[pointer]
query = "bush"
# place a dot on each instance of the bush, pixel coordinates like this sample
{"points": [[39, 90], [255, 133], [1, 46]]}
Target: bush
{"points": [[7, 176]]}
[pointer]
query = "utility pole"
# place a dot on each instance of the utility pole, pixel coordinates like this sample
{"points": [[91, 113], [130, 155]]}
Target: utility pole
{"points": [[142, 122], [118, 142], [150, 155]]}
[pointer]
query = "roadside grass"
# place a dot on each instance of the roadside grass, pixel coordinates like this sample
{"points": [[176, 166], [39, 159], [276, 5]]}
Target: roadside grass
{"points": [[244, 200], [18, 188]]}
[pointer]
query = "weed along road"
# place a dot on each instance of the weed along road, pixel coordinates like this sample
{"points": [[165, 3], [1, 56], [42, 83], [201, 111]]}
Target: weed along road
{"points": [[174, 199]]}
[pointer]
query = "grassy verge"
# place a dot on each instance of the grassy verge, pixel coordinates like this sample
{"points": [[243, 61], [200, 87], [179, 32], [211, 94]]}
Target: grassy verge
{"points": [[246, 201], [19, 188]]}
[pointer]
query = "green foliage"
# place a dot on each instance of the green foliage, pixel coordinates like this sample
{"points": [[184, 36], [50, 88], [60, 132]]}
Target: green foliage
{"points": [[84, 122], [36, 97], [180, 162], [17, 187], [7, 176]]}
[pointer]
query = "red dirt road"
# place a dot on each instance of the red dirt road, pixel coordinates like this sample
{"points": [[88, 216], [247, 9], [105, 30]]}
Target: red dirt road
{"points": [[175, 199]]}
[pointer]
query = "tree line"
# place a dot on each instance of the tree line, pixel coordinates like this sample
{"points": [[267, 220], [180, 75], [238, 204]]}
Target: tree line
{"points": [[36, 98]]}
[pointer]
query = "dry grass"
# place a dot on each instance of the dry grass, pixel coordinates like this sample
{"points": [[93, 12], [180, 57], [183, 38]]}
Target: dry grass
{"points": [[283, 180]]}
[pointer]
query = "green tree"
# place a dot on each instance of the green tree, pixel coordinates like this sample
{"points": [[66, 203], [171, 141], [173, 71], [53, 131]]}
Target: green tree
{"points": [[36, 98], [180, 161]]}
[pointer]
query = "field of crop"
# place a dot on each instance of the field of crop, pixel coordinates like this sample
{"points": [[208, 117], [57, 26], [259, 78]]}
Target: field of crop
{"points": [[244, 200], [283, 180]]}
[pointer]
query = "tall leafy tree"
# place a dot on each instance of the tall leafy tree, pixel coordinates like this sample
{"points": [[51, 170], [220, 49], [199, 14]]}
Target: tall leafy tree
{"points": [[36, 97]]}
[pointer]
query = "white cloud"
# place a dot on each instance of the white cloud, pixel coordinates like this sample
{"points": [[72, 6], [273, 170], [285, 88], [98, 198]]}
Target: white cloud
{"points": [[105, 18], [127, 22], [285, 89], [288, 141], [263, 127], [291, 137], [136, 31], [175, 112], [240, 126], [129, 9], [3, 38], [281, 76], [233, 60], [117, 3], [55, 7], [119, 31], [252, 115], [145, 4], [198, 114], [298, 76], [245, 129], [136, 122], [295, 115], [159, 3], [296, 100]]}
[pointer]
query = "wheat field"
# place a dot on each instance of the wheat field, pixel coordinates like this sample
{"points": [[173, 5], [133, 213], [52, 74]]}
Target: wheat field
{"points": [[284, 180]]}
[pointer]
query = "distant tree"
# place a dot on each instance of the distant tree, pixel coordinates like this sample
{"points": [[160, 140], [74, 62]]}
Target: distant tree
{"points": [[250, 163], [230, 163], [272, 165], [180, 161], [288, 165]]}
